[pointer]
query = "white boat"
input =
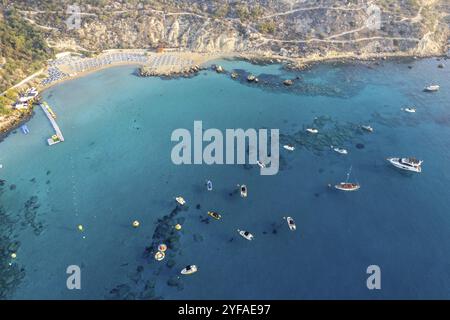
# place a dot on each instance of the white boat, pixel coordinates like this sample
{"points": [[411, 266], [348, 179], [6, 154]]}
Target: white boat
{"points": [[289, 147], [180, 200], [432, 88], [251, 78], [340, 150], [190, 269], [245, 234], [367, 128], [312, 130], [291, 223], [410, 164], [348, 186], [410, 110], [243, 190], [209, 185]]}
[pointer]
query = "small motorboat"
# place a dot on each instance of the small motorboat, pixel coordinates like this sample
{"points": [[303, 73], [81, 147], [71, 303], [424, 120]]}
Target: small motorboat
{"points": [[367, 128], [214, 215], [260, 164], [190, 269], [251, 78], [243, 190], [209, 185], [410, 164], [348, 186], [432, 88], [312, 130], [340, 150], [410, 110], [291, 223], [289, 147], [245, 234], [180, 200]]}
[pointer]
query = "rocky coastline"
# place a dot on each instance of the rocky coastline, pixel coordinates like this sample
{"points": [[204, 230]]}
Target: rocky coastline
{"points": [[16, 118]]}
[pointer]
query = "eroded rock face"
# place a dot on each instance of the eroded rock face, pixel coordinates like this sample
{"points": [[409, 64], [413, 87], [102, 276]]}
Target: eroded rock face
{"points": [[324, 28]]}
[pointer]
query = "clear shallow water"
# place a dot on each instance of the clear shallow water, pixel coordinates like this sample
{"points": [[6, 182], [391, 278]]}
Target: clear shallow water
{"points": [[115, 167]]}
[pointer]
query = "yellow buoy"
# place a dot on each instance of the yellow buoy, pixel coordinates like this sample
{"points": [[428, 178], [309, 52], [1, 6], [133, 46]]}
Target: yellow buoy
{"points": [[162, 247], [13, 255], [80, 227], [160, 255], [178, 226], [136, 223]]}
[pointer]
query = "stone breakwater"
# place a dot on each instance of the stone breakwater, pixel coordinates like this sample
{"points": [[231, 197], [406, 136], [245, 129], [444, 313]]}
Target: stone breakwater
{"points": [[148, 71]]}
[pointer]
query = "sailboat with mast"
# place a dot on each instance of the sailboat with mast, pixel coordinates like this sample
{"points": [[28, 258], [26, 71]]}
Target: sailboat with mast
{"points": [[348, 186]]}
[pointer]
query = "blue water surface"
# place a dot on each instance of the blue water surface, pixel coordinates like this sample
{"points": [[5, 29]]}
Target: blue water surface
{"points": [[115, 167]]}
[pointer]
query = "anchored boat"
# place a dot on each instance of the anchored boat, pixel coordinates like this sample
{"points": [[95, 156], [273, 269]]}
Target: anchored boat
{"points": [[243, 190], [190, 269], [291, 223], [409, 164], [180, 200], [348, 186], [367, 128], [289, 147], [432, 88], [312, 130], [410, 110], [340, 150], [246, 235], [214, 215]]}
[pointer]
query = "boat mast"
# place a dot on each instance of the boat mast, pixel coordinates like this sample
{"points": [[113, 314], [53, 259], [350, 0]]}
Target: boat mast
{"points": [[348, 174]]}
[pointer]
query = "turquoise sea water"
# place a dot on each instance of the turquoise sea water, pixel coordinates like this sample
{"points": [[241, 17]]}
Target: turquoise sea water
{"points": [[115, 167]]}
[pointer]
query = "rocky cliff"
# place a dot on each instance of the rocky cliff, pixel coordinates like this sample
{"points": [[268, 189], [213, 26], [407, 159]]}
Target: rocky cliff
{"points": [[290, 28]]}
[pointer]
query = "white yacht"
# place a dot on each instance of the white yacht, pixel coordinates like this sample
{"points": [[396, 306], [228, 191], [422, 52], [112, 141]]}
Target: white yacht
{"points": [[190, 269], [312, 130], [289, 147], [367, 128], [245, 234], [432, 88], [291, 223], [180, 200], [410, 109], [243, 190], [410, 164], [339, 150]]}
